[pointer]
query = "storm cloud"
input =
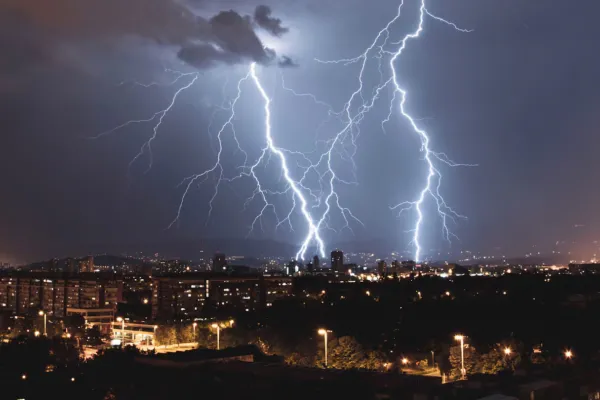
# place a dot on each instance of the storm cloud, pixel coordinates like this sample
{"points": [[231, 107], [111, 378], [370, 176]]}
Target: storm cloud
{"points": [[226, 37], [262, 16]]}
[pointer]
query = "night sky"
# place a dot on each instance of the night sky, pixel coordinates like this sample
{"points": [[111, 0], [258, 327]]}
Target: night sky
{"points": [[517, 96]]}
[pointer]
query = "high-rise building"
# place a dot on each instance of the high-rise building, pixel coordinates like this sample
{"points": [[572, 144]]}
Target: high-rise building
{"points": [[382, 267], [54, 293], [337, 261], [310, 268], [71, 266], [219, 262], [184, 296], [316, 262], [87, 264]]}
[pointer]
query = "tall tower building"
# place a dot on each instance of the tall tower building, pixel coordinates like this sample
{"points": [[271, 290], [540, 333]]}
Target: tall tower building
{"points": [[219, 262], [337, 261], [87, 264], [316, 262]]}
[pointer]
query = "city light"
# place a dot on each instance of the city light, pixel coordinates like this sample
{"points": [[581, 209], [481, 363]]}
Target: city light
{"points": [[568, 354], [405, 361], [36, 333], [507, 351]]}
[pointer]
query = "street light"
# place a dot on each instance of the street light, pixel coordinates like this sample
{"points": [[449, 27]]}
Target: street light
{"points": [[323, 332], [194, 325], [463, 371], [405, 361], [36, 333], [122, 321], [218, 328], [507, 351], [568, 354], [43, 314]]}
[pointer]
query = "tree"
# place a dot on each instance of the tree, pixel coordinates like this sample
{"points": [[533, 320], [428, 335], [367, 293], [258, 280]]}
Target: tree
{"points": [[166, 335], [375, 360], [344, 353], [491, 362], [184, 333], [300, 360], [471, 358], [497, 359], [423, 364]]}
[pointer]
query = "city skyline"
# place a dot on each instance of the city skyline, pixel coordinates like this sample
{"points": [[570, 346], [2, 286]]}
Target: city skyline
{"points": [[480, 96]]}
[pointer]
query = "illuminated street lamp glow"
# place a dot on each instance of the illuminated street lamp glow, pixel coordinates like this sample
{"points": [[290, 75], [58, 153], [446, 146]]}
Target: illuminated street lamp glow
{"points": [[461, 339], [507, 351], [218, 328], [36, 333], [41, 313], [122, 321], [568, 354], [323, 332], [405, 361]]}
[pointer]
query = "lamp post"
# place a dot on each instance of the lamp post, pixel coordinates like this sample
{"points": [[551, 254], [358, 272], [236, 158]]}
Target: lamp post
{"points": [[43, 314], [218, 328], [432, 359], [323, 332], [463, 371], [122, 321], [194, 325]]}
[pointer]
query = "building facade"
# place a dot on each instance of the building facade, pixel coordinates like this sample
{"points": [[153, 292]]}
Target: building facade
{"points": [[54, 293], [337, 261], [184, 296]]}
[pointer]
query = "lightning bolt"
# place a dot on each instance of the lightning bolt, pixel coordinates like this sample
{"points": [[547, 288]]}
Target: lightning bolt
{"points": [[157, 116], [378, 50], [293, 185], [297, 188], [433, 180], [324, 162]]}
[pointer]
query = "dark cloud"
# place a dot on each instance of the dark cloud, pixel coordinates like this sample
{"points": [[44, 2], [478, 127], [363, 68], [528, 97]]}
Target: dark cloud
{"points": [[262, 17], [286, 62], [227, 37]]}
